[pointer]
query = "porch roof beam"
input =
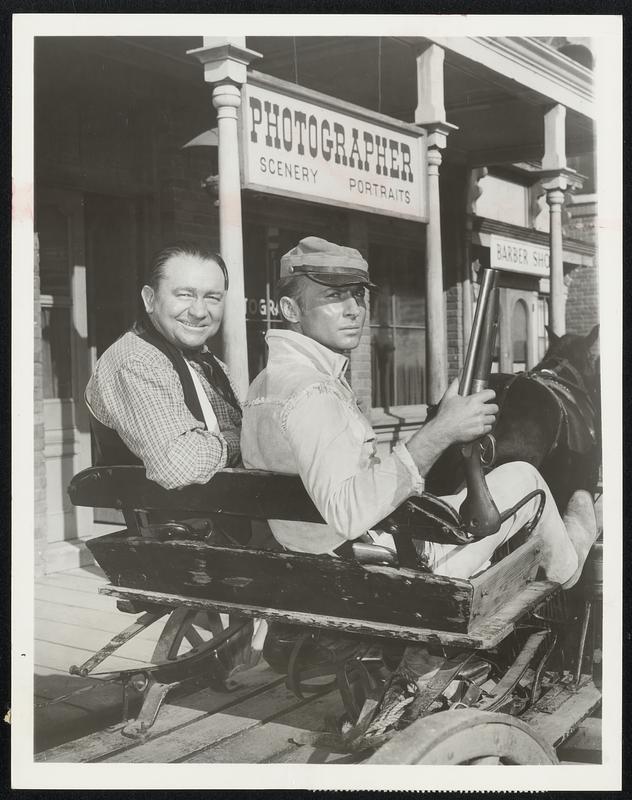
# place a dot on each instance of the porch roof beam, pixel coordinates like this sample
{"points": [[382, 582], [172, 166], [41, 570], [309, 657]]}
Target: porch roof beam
{"points": [[527, 62]]}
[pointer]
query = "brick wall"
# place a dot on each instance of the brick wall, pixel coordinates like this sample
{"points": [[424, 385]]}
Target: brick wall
{"points": [[582, 305], [38, 425], [454, 314]]}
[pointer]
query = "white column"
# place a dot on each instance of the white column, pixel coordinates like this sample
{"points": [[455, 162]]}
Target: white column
{"points": [[225, 61], [554, 138], [436, 333], [430, 93], [557, 179], [227, 99], [430, 114], [557, 304]]}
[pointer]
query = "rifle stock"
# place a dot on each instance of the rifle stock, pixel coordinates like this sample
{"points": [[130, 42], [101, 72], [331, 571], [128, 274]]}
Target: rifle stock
{"points": [[479, 515]]}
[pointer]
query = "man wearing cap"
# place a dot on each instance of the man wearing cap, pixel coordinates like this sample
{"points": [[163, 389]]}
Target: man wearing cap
{"points": [[302, 417]]}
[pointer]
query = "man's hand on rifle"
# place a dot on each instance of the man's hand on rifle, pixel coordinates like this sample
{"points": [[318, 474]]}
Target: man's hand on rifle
{"points": [[466, 418], [458, 420]]}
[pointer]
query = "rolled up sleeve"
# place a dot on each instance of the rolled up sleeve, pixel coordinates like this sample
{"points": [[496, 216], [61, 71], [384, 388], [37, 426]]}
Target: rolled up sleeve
{"points": [[146, 407], [329, 441]]}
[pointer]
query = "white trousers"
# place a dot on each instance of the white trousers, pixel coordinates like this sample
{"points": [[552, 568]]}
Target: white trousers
{"points": [[508, 484]]}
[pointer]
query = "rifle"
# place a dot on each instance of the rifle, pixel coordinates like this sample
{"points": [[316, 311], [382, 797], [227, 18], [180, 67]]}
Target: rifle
{"points": [[479, 515]]}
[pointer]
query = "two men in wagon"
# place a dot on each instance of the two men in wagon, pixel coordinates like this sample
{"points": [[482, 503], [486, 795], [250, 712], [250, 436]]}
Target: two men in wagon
{"points": [[161, 397]]}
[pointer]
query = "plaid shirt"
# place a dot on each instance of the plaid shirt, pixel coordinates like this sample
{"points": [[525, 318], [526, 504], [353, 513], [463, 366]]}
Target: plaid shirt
{"points": [[136, 391]]}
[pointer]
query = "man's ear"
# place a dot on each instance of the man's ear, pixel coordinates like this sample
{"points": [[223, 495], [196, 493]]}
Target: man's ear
{"points": [[289, 309], [147, 293]]}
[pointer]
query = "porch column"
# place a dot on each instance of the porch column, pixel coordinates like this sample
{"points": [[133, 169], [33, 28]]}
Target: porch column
{"points": [[430, 114], [225, 61], [557, 179], [436, 331], [557, 304]]}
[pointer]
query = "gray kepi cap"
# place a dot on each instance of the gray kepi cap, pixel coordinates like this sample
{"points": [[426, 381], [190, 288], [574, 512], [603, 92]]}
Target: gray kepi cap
{"points": [[326, 263]]}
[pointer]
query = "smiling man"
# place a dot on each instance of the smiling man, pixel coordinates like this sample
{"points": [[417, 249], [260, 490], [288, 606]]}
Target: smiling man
{"points": [[158, 396], [301, 417]]}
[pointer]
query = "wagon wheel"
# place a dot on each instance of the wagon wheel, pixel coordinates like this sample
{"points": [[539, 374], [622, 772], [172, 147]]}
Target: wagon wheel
{"points": [[192, 644], [466, 737], [190, 634]]}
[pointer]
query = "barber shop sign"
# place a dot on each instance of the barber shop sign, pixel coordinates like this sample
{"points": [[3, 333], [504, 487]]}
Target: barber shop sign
{"points": [[306, 145]]}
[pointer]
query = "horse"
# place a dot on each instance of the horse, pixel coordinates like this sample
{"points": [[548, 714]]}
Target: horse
{"points": [[548, 417]]}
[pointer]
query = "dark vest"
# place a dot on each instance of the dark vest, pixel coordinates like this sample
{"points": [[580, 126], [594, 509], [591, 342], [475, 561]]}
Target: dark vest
{"points": [[111, 450]]}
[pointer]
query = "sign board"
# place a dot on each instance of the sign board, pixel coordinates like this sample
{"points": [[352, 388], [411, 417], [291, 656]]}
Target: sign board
{"points": [[514, 255], [305, 145]]}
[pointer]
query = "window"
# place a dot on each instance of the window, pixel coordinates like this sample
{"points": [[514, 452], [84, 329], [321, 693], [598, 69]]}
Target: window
{"points": [[398, 330], [519, 333], [263, 247], [503, 200]]}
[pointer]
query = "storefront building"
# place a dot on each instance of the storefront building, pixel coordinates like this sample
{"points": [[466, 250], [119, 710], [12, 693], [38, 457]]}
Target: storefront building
{"points": [[434, 158]]}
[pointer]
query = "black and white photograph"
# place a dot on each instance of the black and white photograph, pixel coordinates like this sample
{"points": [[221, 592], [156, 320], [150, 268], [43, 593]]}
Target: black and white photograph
{"points": [[324, 479]]}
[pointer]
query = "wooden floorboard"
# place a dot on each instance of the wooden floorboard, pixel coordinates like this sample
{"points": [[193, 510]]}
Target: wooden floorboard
{"points": [[108, 622], [72, 621], [557, 719], [221, 725], [74, 598], [584, 746], [175, 714], [278, 739], [74, 636]]}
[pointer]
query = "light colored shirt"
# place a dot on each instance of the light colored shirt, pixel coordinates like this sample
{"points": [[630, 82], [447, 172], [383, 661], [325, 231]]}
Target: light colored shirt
{"points": [[136, 391], [301, 417]]}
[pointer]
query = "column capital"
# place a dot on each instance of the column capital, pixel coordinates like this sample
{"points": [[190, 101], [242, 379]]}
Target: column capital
{"points": [[562, 180], [555, 199], [437, 134], [434, 159], [226, 99], [224, 60], [474, 191]]}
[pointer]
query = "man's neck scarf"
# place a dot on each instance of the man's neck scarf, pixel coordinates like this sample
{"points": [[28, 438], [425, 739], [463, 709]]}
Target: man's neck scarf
{"points": [[215, 375]]}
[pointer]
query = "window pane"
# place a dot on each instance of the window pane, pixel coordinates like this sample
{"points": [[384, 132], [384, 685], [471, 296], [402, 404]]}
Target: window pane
{"points": [[398, 317], [409, 359], [409, 289], [519, 335], [56, 353], [51, 227], [382, 375]]}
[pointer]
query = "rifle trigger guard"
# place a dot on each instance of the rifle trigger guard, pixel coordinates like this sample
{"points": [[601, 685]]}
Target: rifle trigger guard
{"points": [[487, 447]]}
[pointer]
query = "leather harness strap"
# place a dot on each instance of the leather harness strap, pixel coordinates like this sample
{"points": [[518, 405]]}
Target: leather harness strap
{"points": [[578, 416]]}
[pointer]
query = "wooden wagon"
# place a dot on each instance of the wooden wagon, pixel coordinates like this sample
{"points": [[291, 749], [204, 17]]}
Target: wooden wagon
{"points": [[508, 649]]}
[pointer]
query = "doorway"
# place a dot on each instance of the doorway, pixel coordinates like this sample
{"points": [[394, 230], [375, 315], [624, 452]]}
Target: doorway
{"points": [[518, 330]]}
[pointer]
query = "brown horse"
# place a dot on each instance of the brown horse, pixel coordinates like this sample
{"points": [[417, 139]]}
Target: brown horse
{"points": [[549, 417]]}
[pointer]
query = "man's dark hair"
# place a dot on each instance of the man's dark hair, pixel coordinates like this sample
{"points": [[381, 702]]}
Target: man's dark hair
{"points": [[158, 262]]}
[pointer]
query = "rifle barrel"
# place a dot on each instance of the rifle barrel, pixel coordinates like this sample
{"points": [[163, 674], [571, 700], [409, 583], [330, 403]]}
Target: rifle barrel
{"points": [[488, 285]]}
